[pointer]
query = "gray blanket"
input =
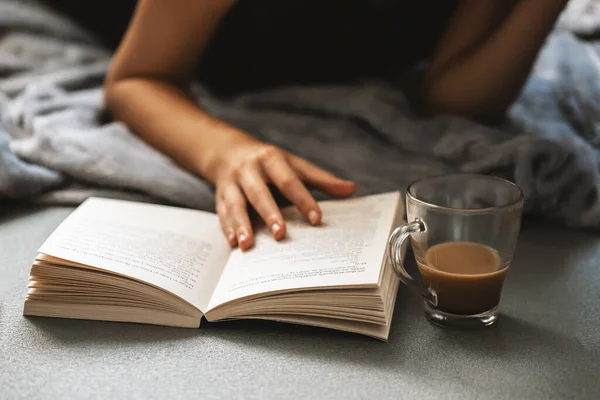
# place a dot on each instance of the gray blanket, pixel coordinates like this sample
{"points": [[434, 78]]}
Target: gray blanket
{"points": [[57, 146]]}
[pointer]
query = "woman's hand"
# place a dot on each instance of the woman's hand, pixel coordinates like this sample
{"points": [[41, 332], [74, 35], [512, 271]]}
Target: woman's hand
{"points": [[241, 175], [147, 89]]}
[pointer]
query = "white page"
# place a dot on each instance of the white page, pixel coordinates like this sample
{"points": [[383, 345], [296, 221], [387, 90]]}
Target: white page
{"points": [[176, 249], [347, 249]]}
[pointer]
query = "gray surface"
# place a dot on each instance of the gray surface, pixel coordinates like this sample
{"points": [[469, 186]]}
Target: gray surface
{"points": [[547, 344]]}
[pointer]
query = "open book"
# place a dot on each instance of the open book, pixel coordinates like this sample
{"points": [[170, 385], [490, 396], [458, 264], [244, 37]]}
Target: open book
{"points": [[117, 260]]}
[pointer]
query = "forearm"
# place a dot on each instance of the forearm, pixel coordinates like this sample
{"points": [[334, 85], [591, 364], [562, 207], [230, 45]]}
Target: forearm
{"points": [[163, 115], [484, 82]]}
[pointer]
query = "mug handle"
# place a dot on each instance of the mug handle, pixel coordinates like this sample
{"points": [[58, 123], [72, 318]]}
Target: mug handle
{"points": [[395, 242]]}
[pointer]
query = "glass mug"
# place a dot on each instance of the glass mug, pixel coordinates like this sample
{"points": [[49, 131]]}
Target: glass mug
{"points": [[463, 229]]}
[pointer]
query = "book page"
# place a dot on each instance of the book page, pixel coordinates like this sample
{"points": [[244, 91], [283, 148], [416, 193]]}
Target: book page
{"points": [[179, 250], [347, 249]]}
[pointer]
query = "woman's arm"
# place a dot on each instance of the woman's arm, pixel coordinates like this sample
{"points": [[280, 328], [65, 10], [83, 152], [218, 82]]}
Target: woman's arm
{"points": [[147, 89], [147, 83], [486, 56]]}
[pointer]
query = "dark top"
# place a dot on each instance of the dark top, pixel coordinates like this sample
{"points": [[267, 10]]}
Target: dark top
{"points": [[265, 43]]}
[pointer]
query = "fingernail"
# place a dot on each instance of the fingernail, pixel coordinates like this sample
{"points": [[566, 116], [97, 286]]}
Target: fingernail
{"points": [[242, 237], [313, 217], [231, 238], [275, 228]]}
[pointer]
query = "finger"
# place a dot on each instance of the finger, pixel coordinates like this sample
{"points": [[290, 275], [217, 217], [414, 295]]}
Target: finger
{"points": [[288, 183], [225, 221], [255, 188], [235, 215], [321, 179]]}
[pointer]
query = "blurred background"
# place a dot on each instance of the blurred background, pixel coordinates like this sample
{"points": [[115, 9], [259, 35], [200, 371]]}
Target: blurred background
{"points": [[54, 131]]}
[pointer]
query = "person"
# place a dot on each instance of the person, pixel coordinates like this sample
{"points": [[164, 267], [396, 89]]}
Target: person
{"points": [[478, 56]]}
